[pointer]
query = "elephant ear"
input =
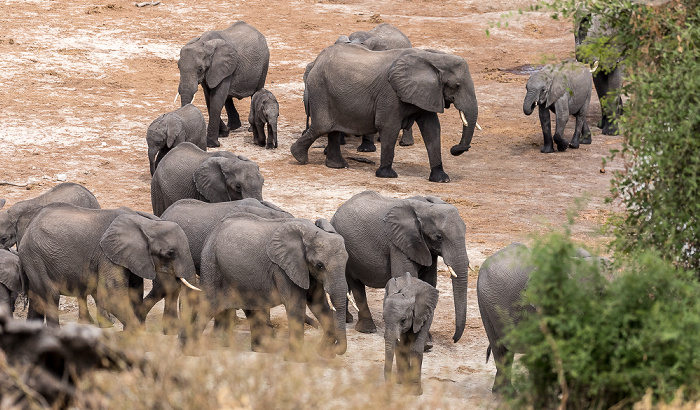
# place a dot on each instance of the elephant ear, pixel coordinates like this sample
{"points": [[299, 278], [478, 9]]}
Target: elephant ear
{"points": [[417, 81], [325, 225], [175, 131], [223, 62], [11, 273], [405, 232], [426, 302], [2, 202], [209, 180], [287, 250], [557, 88], [126, 244]]}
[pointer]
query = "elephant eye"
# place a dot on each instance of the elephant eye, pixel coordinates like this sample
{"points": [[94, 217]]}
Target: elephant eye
{"points": [[319, 266], [238, 187], [438, 237], [170, 253]]}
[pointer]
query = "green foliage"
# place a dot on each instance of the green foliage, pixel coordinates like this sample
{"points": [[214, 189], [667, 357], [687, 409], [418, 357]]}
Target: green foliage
{"points": [[594, 342]]}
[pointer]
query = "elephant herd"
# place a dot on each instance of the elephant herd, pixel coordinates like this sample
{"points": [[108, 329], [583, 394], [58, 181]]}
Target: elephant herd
{"points": [[215, 245]]}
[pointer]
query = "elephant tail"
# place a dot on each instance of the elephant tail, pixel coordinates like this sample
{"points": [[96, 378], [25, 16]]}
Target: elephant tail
{"points": [[488, 353]]}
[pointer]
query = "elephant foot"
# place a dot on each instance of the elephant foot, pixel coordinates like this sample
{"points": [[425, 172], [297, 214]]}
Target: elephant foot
{"points": [[348, 317], [386, 172], [415, 390], [300, 152], [406, 144], [437, 174], [236, 124], [326, 349], [250, 128], [336, 162], [562, 144], [270, 146], [213, 143], [586, 139], [573, 145], [342, 139], [428, 343], [547, 149], [366, 146], [610, 129], [406, 141], [366, 326]]}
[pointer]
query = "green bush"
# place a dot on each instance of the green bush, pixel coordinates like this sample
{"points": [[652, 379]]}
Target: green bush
{"points": [[595, 343]]}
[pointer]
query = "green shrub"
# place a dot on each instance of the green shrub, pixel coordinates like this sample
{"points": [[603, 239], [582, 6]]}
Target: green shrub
{"points": [[595, 343]]}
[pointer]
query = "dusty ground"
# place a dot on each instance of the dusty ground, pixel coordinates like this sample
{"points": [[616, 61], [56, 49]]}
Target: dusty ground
{"points": [[82, 80]]}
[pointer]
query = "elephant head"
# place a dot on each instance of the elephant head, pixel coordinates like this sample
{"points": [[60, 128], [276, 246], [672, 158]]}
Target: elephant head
{"points": [[8, 228], [544, 88], [432, 81], [305, 250], [207, 60], [144, 246], [11, 271], [221, 179], [164, 133], [425, 228]]}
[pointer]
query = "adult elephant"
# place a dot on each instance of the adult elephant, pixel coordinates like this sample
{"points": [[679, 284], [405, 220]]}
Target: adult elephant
{"points": [[218, 176], [197, 219], [357, 91], [254, 264], [608, 74], [230, 63], [502, 279], [382, 37], [387, 237], [106, 253]]}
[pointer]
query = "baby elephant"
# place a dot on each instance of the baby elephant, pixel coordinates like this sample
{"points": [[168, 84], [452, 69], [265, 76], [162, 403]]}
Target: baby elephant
{"points": [[170, 129], [264, 109], [565, 89], [10, 279], [409, 304]]}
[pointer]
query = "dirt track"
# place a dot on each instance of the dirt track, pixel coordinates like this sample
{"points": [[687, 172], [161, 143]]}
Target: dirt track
{"points": [[82, 82]]}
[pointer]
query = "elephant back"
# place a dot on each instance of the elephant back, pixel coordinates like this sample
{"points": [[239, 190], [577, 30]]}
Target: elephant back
{"points": [[172, 180], [251, 46]]}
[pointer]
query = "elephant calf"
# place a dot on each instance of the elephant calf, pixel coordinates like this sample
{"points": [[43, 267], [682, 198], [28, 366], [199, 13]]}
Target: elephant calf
{"points": [[170, 129], [10, 279], [565, 89], [409, 304], [264, 109]]}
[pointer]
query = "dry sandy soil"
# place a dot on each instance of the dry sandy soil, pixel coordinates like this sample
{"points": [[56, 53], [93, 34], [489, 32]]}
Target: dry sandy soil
{"points": [[82, 80]]}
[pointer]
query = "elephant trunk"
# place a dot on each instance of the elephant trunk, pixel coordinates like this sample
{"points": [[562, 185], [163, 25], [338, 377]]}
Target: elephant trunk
{"points": [[183, 267], [459, 262], [340, 301], [389, 347], [187, 88], [468, 117], [530, 102]]}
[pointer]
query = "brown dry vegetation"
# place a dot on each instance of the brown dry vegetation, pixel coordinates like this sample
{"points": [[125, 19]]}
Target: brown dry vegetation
{"points": [[82, 82]]}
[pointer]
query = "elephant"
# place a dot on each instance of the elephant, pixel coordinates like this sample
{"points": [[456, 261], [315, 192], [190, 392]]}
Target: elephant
{"points": [[357, 91], [197, 219], [230, 63], [254, 264], [264, 109], [189, 172], [565, 89], [502, 279], [14, 220], [10, 279], [608, 74], [409, 305], [382, 37], [172, 128], [386, 237], [106, 253]]}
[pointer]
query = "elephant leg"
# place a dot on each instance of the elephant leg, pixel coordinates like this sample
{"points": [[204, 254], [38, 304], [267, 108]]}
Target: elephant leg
{"points": [[428, 274], [577, 132], [365, 324], [260, 128], [171, 323], [295, 306], [388, 136], [83, 312], [225, 321], [260, 335], [546, 124], [154, 296], [195, 316], [415, 369], [234, 120], [51, 310], [334, 159], [215, 102], [562, 114], [300, 148], [429, 126], [585, 134], [367, 144], [341, 139], [407, 137], [504, 363]]}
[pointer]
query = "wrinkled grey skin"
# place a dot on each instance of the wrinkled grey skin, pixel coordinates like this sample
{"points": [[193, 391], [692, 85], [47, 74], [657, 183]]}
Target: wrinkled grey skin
{"points": [[198, 219], [170, 129], [357, 91], [608, 77], [282, 261], [502, 279], [106, 253], [565, 89], [387, 237], [382, 37], [409, 304], [264, 110], [230, 63], [10, 279], [218, 176]]}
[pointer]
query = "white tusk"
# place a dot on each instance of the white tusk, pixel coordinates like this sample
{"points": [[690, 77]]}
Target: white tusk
{"points": [[470, 268], [190, 285], [452, 271], [176, 95], [478, 126], [352, 301], [195, 94], [595, 66], [328, 298], [464, 119]]}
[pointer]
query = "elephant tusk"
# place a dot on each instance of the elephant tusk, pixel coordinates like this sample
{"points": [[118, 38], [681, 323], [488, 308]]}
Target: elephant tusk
{"points": [[464, 119], [470, 268], [176, 95], [352, 301], [195, 94], [478, 127], [189, 285], [595, 66], [328, 298], [452, 271]]}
